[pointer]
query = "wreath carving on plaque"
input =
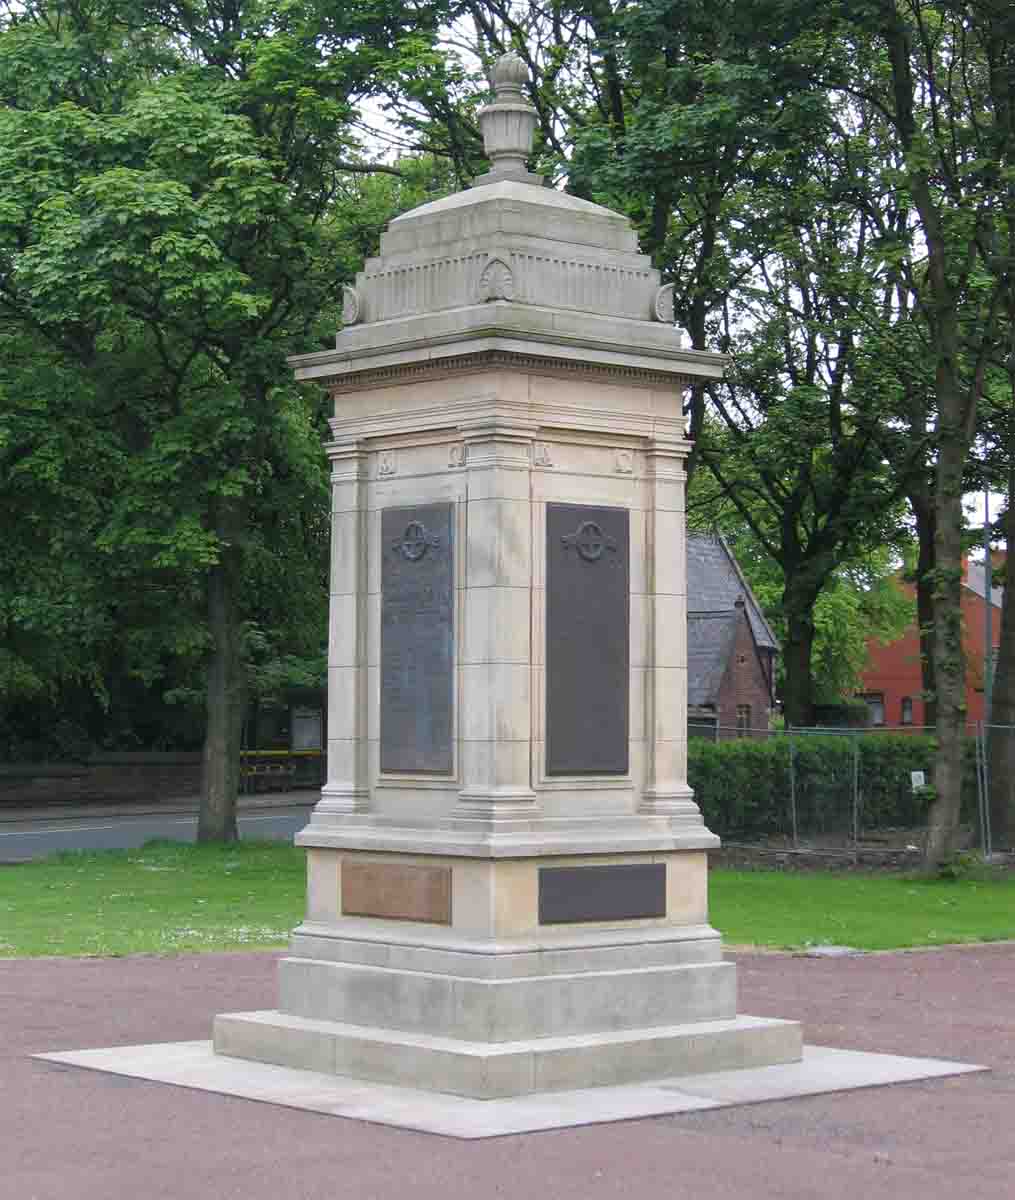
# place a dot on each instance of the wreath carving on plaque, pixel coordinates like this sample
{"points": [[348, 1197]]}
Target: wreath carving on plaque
{"points": [[590, 541], [415, 542]]}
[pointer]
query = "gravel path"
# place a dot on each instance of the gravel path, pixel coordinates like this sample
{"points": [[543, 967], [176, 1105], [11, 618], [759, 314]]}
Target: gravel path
{"points": [[68, 1134]]}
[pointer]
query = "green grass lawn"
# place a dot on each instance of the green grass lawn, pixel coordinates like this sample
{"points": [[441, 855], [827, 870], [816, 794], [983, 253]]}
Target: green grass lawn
{"points": [[169, 897], [865, 910], [163, 899]]}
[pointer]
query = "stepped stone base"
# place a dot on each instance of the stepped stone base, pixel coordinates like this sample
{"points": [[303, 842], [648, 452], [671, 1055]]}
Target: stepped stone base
{"points": [[487, 1071]]}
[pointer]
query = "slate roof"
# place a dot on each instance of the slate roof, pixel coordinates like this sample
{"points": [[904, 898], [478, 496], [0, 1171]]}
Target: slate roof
{"points": [[714, 584], [709, 641]]}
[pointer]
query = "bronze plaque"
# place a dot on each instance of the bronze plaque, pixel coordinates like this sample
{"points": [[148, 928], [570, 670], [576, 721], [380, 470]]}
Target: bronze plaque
{"points": [[417, 641], [587, 640], [607, 893], [398, 891]]}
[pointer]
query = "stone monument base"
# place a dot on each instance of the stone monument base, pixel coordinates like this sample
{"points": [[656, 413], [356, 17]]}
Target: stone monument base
{"points": [[482, 1071], [568, 1009]]}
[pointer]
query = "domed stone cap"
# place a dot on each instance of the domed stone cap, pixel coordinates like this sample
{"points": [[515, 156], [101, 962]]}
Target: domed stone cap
{"points": [[508, 124], [509, 72]]}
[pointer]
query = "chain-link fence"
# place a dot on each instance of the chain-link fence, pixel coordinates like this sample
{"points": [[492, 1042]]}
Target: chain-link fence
{"points": [[859, 792]]}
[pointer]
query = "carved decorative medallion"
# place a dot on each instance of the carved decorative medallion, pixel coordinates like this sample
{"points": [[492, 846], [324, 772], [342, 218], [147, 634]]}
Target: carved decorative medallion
{"points": [[386, 462], [590, 541], [541, 456], [416, 541], [350, 306], [496, 282], [456, 455], [625, 462], [663, 305]]}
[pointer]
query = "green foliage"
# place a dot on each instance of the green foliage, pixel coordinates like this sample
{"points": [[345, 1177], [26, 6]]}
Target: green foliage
{"points": [[744, 786], [859, 599], [181, 201]]}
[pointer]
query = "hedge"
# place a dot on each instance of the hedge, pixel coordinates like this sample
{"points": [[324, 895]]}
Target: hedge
{"points": [[744, 786]]}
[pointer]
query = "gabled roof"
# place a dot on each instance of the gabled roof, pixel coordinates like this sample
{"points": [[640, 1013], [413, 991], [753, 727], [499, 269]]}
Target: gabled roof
{"points": [[715, 583], [709, 642]]}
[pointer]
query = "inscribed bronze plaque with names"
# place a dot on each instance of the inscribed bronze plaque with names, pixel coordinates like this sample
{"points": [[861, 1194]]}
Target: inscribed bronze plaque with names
{"points": [[587, 640], [417, 639]]}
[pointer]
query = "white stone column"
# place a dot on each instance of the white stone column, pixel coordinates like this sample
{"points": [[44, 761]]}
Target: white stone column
{"points": [[666, 790], [495, 647], [348, 786]]}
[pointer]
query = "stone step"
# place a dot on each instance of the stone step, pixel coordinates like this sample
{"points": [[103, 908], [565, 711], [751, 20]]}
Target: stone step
{"points": [[486, 1070]]}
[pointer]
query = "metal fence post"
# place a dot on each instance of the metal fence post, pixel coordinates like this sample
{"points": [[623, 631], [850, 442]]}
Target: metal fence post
{"points": [[792, 790], [856, 798]]}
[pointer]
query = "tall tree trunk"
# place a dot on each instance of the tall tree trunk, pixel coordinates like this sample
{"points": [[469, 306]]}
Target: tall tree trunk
{"points": [[923, 510], [949, 656], [798, 684], [225, 702]]}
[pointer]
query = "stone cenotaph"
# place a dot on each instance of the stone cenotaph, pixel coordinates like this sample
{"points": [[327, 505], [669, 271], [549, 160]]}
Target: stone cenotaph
{"points": [[507, 876]]}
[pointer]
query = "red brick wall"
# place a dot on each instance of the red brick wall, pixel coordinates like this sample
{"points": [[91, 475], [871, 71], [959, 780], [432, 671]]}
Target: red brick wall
{"points": [[744, 682], [894, 668]]}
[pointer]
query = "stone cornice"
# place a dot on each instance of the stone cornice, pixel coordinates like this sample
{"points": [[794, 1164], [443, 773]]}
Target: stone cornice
{"points": [[488, 360]]}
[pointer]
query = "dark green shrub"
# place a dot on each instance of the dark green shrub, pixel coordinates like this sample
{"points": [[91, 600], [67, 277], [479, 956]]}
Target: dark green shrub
{"points": [[745, 787]]}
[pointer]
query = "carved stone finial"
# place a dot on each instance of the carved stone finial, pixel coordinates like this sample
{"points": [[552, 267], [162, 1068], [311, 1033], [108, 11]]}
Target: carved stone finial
{"points": [[508, 124], [508, 75]]}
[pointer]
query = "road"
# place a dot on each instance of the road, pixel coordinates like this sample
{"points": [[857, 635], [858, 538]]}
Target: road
{"points": [[45, 833]]}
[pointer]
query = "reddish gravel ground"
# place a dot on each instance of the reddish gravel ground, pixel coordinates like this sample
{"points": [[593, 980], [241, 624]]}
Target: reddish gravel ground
{"points": [[69, 1134]]}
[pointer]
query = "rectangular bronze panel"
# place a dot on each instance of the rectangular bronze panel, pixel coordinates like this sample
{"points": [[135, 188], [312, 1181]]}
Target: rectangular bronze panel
{"points": [[417, 639], [400, 892], [610, 893], [587, 640]]}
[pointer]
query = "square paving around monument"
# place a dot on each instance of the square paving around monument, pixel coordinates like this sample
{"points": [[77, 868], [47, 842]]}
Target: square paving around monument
{"points": [[195, 1065]]}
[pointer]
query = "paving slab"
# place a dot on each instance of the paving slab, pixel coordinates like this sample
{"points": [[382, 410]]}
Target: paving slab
{"points": [[195, 1065]]}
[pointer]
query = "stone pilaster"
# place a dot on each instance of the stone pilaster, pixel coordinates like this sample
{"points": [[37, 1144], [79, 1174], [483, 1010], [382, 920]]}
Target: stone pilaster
{"points": [[348, 788], [495, 722], [666, 790]]}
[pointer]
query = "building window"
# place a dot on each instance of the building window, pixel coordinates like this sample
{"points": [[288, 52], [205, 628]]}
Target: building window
{"points": [[875, 702], [907, 710], [743, 719]]}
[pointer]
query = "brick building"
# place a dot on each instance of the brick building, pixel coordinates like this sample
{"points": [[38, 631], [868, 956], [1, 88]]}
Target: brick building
{"points": [[892, 681], [730, 646]]}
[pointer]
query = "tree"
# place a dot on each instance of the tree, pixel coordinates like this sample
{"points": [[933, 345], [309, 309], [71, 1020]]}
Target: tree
{"points": [[941, 78], [169, 177]]}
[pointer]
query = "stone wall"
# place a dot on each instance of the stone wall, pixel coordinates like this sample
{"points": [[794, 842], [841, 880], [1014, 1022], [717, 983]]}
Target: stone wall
{"points": [[113, 778]]}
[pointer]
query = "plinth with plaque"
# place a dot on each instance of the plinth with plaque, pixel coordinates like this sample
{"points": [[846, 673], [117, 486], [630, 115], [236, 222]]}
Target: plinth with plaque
{"points": [[507, 877]]}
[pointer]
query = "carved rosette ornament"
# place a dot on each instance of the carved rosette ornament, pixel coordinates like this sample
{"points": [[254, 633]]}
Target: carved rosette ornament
{"points": [[663, 305], [496, 282], [350, 306]]}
